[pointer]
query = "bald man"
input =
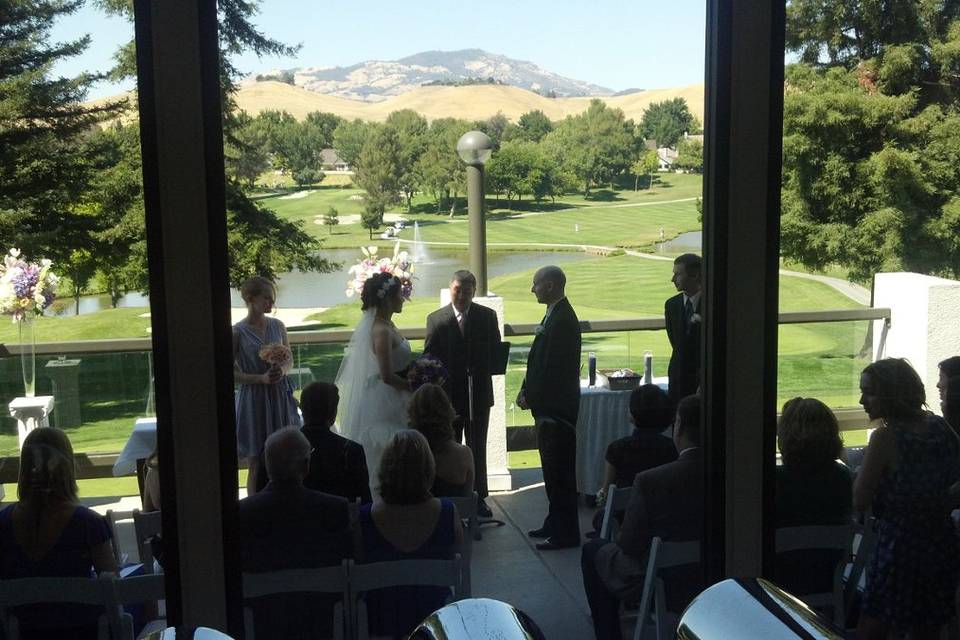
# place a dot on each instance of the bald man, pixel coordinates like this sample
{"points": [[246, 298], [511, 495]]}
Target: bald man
{"points": [[287, 526], [551, 390]]}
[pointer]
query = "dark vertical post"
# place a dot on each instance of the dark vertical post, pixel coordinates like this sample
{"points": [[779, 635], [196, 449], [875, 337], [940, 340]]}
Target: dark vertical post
{"points": [[182, 144], [743, 124], [478, 227]]}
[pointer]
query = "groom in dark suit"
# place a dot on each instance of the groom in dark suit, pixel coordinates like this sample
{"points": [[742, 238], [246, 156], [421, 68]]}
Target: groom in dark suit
{"points": [[551, 390], [682, 313], [463, 335]]}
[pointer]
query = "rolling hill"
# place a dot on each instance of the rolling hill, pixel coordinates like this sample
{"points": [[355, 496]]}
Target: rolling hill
{"points": [[474, 102]]}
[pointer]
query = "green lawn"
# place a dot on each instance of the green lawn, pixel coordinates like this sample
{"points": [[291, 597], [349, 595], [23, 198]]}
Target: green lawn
{"points": [[605, 218]]}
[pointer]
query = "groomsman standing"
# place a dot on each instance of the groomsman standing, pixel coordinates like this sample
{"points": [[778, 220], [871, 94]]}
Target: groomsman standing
{"points": [[464, 335], [551, 390], [682, 313]]}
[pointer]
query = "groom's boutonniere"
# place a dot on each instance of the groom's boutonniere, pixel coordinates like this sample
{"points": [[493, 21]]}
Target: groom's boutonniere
{"points": [[695, 318]]}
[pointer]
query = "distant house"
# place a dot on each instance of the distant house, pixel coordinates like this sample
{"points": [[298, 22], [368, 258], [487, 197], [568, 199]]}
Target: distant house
{"points": [[693, 136], [330, 161], [650, 144], [666, 156]]}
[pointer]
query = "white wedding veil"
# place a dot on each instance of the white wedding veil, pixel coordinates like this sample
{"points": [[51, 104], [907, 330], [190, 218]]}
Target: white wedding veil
{"points": [[358, 371]]}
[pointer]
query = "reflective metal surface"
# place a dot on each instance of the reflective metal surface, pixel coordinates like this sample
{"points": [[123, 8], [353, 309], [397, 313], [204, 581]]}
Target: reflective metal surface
{"points": [[476, 619], [187, 633], [752, 608]]}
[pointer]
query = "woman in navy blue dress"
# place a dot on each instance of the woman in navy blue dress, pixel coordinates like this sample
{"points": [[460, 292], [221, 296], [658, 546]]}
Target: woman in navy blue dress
{"points": [[908, 471], [264, 399], [406, 522], [48, 534]]}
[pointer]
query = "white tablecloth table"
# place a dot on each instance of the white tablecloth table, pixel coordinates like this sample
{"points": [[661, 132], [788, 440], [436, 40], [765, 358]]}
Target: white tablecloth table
{"points": [[604, 417], [140, 444]]}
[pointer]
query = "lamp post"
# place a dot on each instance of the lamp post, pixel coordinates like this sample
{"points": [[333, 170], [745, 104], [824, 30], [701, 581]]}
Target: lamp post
{"points": [[474, 148]]}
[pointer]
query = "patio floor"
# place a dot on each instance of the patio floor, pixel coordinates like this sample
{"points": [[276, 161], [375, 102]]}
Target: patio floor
{"points": [[506, 566]]}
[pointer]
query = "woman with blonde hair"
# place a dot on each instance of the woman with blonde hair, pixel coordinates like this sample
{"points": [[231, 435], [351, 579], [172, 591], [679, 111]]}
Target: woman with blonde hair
{"points": [[431, 414], [264, 401], [406, 522], [48, 534]]}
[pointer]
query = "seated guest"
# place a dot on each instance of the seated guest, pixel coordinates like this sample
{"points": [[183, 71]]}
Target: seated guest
{"points": [[406, 522], [287, 526], [651, 412], [666, 501], [48, 534], [432, 415], [812, 488], [338, 466]]}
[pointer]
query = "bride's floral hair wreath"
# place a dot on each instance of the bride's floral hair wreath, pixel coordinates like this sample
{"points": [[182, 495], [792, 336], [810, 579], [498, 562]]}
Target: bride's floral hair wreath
{"points": [[398, 266]]}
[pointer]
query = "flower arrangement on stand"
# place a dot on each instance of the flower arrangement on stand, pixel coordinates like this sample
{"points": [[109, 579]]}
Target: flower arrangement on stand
{"points": [[26, 289], [399, 265]]}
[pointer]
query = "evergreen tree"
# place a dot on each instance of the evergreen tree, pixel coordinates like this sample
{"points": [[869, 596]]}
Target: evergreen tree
{"points": [[872, 136], [44, 138]]}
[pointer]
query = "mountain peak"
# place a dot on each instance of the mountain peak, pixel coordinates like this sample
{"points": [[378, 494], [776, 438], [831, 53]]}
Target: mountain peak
{"points": [[377, 80]]}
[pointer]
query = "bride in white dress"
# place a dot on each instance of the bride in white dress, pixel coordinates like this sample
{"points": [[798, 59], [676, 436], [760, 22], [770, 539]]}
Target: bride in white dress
{"points": [[373, 397]]}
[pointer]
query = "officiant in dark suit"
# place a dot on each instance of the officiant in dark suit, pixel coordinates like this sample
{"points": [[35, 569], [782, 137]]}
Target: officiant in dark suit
{"points": [[684, 323], [551, 390], [464, 336]]}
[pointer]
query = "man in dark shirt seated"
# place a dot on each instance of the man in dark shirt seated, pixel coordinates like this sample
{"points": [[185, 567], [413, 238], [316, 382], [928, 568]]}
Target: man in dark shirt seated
{"points": [[666, 501], [337, 465], [287, 526]]}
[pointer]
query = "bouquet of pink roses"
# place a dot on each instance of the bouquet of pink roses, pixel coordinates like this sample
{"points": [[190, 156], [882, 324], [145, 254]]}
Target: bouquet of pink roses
{"points": [[276, 354], [426, 369]]}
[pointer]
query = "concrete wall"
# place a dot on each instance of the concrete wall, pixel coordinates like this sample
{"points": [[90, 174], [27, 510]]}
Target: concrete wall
{"points": [[924, 324]]}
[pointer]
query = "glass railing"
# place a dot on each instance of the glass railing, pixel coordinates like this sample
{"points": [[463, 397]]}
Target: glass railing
{"points": [[821, 355]]}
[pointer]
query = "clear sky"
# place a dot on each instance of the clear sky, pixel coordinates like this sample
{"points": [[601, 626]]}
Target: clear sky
{"points": [[616, 44]]}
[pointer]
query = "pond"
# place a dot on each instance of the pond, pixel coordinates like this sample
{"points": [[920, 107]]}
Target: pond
{"points": [[296, 289]]}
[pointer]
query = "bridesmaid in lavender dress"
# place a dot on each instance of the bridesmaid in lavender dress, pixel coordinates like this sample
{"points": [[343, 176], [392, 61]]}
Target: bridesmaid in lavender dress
{"points": [[264, 399]]}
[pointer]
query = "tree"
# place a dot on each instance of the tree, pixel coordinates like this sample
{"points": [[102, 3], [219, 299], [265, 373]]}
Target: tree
{"points": [[439, 169], [349, 138], [667, 121], [496, 127], [45, 166], [689, 155], [411, 129], [378, 173], [645, 165], [871, 158], [307, 176], [248, 155], [259, 242], [595, 146], [331, 218], [533, 126]]}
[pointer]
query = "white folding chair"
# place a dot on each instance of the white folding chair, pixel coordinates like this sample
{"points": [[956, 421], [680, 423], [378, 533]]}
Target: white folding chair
{"points": [[467, 510], [144, 589], [826, 538], [616, 500], [23, 591], [334, 580], [114, 518], [399, 573], [663, 555], [145, 526]]}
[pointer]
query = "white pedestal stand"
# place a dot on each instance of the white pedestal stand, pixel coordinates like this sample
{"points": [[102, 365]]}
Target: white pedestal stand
{"points": [[30, 413]]}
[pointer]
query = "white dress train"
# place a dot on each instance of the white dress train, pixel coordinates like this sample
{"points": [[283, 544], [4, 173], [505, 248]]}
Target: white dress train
{"points": [[370, 410]]}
